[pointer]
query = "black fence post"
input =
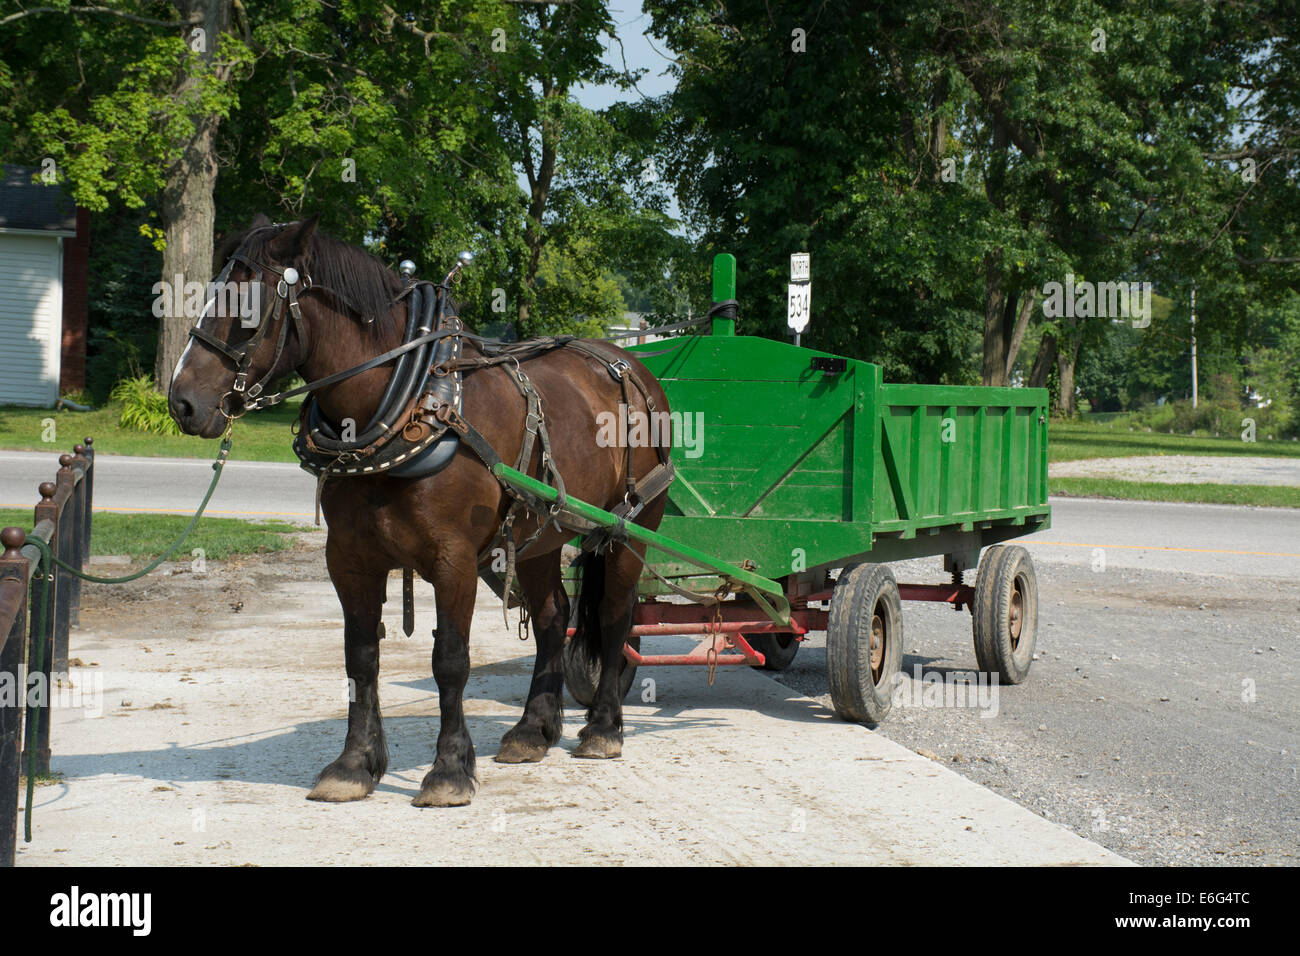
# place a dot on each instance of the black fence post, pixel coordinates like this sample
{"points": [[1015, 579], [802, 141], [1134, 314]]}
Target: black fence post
{"points": [[40, 645], [77, 554], [14, 570], [62, 544], [88, 482]]}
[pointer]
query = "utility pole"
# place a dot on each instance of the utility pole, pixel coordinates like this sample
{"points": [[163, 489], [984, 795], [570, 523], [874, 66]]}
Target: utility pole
{"points": [[1194, 397]]}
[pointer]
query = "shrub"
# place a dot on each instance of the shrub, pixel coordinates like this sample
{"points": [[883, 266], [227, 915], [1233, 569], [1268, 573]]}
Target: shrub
{"points": [[1158, 418], [144, 408], [1210, 417]]}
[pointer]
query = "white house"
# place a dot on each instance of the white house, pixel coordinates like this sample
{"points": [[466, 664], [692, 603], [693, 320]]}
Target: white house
{"points": [[43, 258]]}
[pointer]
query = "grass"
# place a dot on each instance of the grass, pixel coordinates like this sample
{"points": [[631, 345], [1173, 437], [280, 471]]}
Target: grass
{"points": [[260, 436], [145, 536], [1271, 496], [1072, 441]]}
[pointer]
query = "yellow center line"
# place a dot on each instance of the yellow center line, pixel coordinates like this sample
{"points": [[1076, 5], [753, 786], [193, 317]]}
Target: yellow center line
{"points": [[1156, 547]]}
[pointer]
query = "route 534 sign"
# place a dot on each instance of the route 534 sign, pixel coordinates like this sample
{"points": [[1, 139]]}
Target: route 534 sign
{"points": [[799, 298]]}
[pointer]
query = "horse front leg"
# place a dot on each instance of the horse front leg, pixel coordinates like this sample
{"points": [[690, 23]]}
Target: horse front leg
{"points": [[360, 767], [451, 782], [542, 723]]}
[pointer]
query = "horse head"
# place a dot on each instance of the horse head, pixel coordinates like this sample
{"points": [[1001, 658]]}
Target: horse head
{"points": [[251, 330]]}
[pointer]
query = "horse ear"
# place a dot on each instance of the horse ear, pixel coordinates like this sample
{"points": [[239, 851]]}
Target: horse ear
{"points": [[296, 240]]}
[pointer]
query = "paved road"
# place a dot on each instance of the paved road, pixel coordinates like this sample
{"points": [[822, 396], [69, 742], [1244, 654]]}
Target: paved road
{"points": [[1160, 717], [248, 489]]}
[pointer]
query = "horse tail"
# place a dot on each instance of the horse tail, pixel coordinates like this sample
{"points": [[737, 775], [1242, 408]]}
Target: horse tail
{"points": [[591, 591]]}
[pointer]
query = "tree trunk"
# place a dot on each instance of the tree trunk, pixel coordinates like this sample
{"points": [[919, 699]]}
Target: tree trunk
{"points": [[1018, 331], [1065, 360], [995, 363], [1043, 361], [187, 209]]}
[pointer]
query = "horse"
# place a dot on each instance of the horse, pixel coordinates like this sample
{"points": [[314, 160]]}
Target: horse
{"points": [[348, 311]]}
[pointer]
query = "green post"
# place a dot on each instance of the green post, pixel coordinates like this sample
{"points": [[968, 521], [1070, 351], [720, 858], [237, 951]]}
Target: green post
{"points": [[724, 288]]}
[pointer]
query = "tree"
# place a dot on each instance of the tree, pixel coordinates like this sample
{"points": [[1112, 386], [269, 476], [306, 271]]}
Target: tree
{"points": [[146, 126]]}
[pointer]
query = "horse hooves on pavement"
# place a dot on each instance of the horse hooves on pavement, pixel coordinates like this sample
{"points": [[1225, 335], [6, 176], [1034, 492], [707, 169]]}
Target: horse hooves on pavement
{"points": [[342, 786], [528, 746], [599, 747], [445, 792]]}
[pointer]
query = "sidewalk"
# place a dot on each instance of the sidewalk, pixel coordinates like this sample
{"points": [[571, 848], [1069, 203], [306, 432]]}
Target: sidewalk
{"points": [[215, 721]]}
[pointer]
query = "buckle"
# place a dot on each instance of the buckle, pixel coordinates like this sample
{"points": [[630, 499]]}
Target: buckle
{"points": [[449, 417], [618, 368]]}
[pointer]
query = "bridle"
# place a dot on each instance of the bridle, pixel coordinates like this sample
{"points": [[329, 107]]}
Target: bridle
{"points": [[287, 290]]}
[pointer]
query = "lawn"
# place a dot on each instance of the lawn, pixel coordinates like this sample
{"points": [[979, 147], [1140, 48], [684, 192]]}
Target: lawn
{"points": [[1272, 496], [1071, 441], [145, 536], [260, 436]]}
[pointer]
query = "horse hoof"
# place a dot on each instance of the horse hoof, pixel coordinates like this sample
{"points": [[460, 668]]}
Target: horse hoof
{"points": [[342, 785], [522, 746], [599, 747], [455, 791]]}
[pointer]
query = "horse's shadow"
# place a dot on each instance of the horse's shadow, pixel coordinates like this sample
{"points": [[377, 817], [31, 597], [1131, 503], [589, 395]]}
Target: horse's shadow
{"points": [[294, 754]]}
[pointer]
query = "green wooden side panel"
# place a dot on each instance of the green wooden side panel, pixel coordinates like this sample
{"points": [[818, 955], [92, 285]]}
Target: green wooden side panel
{"points": [[960, 455]]}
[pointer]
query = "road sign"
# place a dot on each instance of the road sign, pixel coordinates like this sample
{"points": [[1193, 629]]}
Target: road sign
{"points": [[800, 267], [798, 305], [800, 294]]}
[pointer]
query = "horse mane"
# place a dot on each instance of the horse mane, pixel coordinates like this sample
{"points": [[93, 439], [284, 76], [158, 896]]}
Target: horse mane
{"points": [[360, 277]]}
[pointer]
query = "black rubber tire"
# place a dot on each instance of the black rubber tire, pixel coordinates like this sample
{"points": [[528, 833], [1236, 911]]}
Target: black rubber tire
{"points": [[864, 603], [778, 650], [581, 678], [1004, 618]]}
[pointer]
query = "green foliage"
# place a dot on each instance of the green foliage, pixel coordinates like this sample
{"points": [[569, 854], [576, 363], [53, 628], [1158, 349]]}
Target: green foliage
{"points": [[144, 408], [410, 129]]}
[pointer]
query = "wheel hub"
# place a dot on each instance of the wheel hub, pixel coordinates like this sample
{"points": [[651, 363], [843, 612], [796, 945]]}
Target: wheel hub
{"points": [[877, 645], [1017, 612]]}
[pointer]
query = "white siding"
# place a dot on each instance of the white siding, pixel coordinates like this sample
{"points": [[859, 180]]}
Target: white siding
{"points": [[31, 320]]}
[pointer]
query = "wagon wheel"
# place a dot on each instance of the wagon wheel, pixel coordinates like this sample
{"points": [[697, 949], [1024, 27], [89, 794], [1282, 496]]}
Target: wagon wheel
{"points": [[778, 650], [582, 677], [1004, 618], [864, 643]]}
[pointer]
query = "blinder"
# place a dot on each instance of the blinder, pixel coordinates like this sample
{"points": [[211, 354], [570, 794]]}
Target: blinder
{"points": [[287, 289]]}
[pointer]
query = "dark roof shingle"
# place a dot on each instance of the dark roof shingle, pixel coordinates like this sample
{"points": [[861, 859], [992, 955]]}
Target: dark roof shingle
{"points": [[28, 204]]}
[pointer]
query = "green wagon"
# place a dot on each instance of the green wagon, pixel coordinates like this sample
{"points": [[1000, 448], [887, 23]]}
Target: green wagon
{"points": [[792, 465]]}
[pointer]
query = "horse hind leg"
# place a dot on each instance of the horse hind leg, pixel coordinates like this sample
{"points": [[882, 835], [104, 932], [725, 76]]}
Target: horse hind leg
{"points": [[612, 612], [542, 723], [364, 760]]}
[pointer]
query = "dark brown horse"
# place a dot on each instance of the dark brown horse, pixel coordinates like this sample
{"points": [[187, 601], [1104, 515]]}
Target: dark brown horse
{"points": [[437, 525]]}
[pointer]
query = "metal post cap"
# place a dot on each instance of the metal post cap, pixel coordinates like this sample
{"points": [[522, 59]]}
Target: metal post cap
{"points": [[406, 267], [465, 257]]}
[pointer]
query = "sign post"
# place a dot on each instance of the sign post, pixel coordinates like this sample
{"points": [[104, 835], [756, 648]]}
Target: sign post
{"points": [[799, 296]]}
